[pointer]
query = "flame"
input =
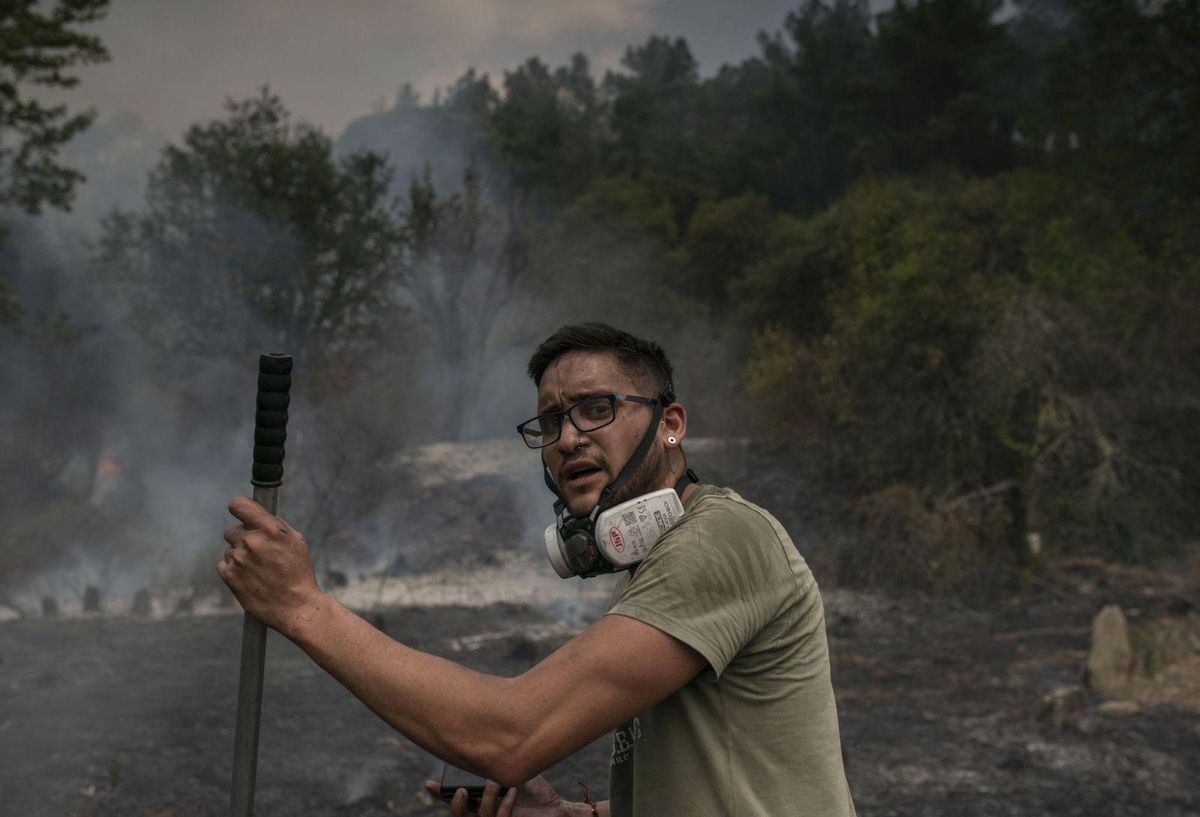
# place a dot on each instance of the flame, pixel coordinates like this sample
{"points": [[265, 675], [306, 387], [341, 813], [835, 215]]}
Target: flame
{"points": [[107, 466]]}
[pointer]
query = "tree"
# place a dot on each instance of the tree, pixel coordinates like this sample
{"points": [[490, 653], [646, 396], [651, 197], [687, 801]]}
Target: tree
{"points": [[40, 46], [1121, 104], [254, 234], [462, 263], [547, 126], [945, 90], [652, 109], [812, 102], [723, 239], [1000, 356]]}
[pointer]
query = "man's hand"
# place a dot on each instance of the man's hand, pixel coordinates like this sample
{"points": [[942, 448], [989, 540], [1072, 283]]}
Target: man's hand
{"points": [[533, 798], [267, 567]]}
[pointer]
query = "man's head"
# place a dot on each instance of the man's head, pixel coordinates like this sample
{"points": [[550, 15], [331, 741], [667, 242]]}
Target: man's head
{"points": [[592, 360]]}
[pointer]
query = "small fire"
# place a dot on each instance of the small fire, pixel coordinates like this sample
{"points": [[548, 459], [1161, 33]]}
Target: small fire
{"points": [[107, 466]]}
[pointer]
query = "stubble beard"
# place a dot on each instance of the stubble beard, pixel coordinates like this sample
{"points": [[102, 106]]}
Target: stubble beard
{"points": [[645, 478]]}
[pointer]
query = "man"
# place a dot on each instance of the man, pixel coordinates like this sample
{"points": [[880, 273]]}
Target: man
{"points": [[711, 667]]}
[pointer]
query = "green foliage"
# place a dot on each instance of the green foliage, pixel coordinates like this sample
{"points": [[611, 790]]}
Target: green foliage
{"points": [[254, 232], [942, 89], [609, 255], [1121, 105], [963, 236], [995, 348], [829, 100], [40, 45], [811, 106], [723, 239], [547, 126], [652, 109]]}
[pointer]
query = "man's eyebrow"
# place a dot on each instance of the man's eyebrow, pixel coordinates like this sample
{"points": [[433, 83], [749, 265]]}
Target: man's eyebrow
{"points": [[573, 398]]}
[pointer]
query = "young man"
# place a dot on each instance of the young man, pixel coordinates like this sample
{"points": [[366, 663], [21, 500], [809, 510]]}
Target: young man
{"points": [[711, 667]]}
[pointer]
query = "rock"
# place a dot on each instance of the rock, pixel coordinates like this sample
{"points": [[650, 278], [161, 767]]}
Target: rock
{"points": [[1062, 705], [1119, 708], [1110, 659], [91, 599]]}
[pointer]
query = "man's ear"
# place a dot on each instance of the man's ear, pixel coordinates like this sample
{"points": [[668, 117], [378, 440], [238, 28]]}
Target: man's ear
{"points": [[674, 420]]}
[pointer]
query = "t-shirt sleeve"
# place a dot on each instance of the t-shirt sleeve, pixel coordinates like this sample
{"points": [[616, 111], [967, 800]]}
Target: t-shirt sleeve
{"points": [[712, 582]]}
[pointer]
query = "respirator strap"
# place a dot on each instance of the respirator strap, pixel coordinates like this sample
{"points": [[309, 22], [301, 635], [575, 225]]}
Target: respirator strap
{"points": [[559, 504], [689, 476], [610, 490]]}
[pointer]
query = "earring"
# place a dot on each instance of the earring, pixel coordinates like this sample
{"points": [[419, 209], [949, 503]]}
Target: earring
{"points": [[671, 441]]}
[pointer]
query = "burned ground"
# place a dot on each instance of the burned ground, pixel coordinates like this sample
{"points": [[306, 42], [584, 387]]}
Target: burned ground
{"points": [[939, 710], [941, 703]]}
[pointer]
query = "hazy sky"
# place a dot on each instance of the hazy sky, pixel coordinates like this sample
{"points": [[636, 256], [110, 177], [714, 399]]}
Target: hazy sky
{"points": [[174, 62]]}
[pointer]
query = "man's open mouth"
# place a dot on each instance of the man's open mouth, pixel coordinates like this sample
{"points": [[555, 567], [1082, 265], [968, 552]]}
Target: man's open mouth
{"points": [[577, 472]]}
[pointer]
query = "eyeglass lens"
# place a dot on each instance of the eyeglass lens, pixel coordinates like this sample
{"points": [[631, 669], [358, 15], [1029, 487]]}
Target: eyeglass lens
{"points": [[586, 415]]}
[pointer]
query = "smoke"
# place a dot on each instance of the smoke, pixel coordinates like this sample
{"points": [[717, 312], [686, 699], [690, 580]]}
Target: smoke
{"points": [[124, 457]]}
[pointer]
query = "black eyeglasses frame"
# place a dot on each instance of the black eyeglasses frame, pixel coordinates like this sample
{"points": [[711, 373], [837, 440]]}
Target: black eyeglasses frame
{"points": [[613, 398]]}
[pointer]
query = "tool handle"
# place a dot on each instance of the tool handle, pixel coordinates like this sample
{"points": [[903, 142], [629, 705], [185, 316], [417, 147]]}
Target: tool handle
{"points": [[270, 433], [270, 418]]}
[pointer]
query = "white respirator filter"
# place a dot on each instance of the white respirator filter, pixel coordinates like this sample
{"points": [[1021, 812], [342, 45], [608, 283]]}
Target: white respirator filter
{"points": [[623, 534]]}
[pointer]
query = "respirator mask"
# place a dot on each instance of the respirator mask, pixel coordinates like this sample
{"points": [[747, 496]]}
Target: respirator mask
{"points": [[613, 537], [611, 540]]}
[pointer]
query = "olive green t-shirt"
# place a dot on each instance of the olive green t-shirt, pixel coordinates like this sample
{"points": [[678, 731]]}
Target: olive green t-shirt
{"points": [[756, 732]]}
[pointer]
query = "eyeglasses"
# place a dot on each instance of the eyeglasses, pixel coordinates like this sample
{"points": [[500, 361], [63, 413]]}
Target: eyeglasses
{"points": [[588, 414]]}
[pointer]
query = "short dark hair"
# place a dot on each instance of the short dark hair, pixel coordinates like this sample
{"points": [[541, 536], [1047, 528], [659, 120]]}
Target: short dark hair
{"points": [[639, 359]]}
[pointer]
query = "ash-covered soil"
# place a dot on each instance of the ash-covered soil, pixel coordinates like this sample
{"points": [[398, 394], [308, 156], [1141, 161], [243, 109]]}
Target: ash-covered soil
{"points": [[939, 711], [941, 704]]}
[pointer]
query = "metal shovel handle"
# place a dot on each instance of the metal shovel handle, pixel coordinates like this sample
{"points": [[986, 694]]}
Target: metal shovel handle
{"points": [[270, 433]]}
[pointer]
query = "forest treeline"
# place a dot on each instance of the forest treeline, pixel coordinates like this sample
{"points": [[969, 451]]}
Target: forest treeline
{"points": [[954, 247]]}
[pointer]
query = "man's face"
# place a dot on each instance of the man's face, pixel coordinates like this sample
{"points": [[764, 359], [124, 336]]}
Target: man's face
{"points": [[582, 464]]}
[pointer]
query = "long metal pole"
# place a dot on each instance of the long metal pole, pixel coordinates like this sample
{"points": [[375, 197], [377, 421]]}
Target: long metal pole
{"points": [[270, 432]]}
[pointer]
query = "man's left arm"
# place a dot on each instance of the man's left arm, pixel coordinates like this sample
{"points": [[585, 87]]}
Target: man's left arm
{"points": [[508, 729]]}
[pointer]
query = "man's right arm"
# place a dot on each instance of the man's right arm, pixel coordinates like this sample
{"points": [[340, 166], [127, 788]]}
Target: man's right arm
{"points": [[509, 729]]}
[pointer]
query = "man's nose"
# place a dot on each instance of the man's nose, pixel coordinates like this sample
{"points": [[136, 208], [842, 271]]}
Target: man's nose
{"points": [[569, 437]]}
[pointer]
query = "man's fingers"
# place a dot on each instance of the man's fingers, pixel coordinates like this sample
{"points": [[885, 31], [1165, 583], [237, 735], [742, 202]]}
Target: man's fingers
{"points": [[487, 804], [250, 513], [507, 804]]}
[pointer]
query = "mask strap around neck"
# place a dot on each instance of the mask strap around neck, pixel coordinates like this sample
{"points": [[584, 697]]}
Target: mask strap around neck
{"points": [[689, 476], [610, 490], [559, 503]]}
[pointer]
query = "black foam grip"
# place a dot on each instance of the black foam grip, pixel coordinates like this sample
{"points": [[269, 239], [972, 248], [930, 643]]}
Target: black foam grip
{"points": [[273, 401], [267, 476], [270, 418], [270, 436], [268, 454], [275, 363], [274, 383]]}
